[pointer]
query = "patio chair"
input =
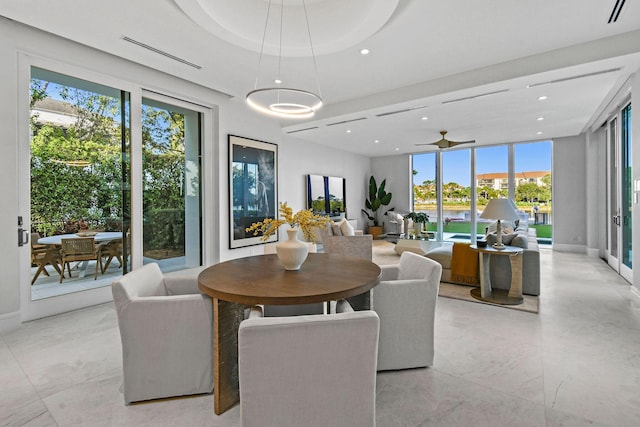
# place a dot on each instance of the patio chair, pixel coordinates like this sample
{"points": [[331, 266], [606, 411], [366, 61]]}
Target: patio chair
{"points": [[111, 250], [43, 255], [80, 249]]}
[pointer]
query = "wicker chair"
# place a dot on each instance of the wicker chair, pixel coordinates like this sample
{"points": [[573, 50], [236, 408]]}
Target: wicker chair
{"points": [[43, 255], [80, 249]]}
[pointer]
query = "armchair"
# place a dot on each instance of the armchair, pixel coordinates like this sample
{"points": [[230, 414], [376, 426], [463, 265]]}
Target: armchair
{"points": [[166, 331], [405, 300], [313, 370]]}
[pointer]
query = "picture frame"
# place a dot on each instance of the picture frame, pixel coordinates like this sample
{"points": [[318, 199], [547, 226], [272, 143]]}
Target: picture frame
{"points": [[253, 188]]}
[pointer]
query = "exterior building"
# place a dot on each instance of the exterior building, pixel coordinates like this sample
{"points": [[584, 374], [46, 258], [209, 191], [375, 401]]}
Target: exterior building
{"points": [[500, 180]]}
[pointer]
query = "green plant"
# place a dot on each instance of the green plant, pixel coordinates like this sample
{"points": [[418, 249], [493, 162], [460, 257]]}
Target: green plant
{"points": [[418, 217], [378, 197]]}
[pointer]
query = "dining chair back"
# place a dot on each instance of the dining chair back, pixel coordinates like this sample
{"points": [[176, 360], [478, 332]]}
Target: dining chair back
{"points": [[352, 246], [79, 249], [308, 371]]}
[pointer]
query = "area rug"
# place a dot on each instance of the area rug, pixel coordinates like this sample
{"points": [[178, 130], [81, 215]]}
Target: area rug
{"points": [[384, 254]]}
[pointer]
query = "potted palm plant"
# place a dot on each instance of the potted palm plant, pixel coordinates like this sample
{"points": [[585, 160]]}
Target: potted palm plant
{"points": [[378, 198], [419, 220]]}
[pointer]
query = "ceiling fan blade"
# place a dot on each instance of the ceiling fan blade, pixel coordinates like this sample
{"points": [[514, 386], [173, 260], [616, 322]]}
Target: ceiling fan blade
{"points": [[454, 143]]}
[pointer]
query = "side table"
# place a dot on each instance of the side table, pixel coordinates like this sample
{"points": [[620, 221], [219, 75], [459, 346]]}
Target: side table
{"points": [[498, 296]]}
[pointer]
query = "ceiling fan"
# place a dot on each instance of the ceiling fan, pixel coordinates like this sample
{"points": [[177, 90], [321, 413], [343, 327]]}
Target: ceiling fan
{"points": [[445, 143]]}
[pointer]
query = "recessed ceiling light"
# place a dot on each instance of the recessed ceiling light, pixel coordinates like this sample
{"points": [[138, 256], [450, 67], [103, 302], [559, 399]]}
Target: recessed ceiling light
{"points": [[397, 149], [538, 133], [277, 81], [424, 118], [540, 118], [348, 130], [376, 141], [542, 98], [364, 51]]}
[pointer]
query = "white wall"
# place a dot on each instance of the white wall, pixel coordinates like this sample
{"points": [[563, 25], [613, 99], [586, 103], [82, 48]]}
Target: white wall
{"points": [[296, 157], [596, 203], [569, 193], [397, 171]]}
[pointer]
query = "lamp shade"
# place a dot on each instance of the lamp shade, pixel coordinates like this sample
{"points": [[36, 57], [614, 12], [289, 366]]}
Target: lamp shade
{"points": [[502, 209]]}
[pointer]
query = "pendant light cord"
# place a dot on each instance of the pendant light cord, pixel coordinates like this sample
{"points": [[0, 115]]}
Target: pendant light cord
{"points": [[264, 36], [313, 54]]}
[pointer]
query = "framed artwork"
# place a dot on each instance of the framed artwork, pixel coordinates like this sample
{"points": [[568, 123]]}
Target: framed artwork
{"points": [[253, 188]]}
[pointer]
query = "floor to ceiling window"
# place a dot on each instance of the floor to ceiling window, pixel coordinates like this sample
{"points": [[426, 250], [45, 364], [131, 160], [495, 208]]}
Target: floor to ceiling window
{"points": [[456, 193], [425, 188], [533, 186], [492, 179], [529, 181]]}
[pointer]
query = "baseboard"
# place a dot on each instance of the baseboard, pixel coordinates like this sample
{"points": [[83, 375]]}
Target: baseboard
{"points": [[635, 292], [578, 249], [10, 322], [593, 252]]}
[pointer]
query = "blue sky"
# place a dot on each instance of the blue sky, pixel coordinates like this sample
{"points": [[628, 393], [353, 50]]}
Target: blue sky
{"points": [[528, 157]]}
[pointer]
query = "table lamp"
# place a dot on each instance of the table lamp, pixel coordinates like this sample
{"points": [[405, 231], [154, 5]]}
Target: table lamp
{"points": [[500, 209]]}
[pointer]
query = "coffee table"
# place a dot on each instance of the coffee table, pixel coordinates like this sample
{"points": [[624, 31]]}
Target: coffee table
{"points": [[498, 296], [240, 283], [418, 245]]}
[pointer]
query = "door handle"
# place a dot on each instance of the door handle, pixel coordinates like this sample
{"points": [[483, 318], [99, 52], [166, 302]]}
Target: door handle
{"points": [[23, 237]]}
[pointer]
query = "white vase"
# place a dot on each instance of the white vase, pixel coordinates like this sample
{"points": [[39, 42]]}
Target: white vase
{"points": [[292, 252], [417, 228]]}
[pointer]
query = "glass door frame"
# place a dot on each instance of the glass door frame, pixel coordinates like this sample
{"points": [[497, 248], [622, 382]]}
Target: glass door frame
{"points": [[616, 220], [29, 309]]}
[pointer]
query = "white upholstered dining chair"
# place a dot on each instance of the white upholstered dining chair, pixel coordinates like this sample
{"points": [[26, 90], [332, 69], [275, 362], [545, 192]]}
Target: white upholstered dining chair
{"points": [[405, 299], [317, 370], [166, 331]]}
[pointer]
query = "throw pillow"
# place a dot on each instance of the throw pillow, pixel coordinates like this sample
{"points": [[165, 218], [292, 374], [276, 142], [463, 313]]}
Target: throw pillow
{"points": [[346, 228], [507, 238], [335, 229], [507, 227], [520, 241]]}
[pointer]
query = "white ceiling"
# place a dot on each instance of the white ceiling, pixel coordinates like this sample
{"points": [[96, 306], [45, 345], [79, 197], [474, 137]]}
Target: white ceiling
{"points": [[423, 53]]}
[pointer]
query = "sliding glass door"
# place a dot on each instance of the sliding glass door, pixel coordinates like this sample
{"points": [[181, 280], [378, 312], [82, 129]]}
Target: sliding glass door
{"points": [[109, 167], [171, 141], [79, 138], [619, 193]]}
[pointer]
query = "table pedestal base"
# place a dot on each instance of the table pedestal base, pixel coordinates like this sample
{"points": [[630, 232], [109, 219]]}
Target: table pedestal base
{"points": [[497, 296]]}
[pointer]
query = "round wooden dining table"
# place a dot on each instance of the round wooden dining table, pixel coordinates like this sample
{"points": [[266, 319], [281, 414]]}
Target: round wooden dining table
{"points": [[237, 284]]}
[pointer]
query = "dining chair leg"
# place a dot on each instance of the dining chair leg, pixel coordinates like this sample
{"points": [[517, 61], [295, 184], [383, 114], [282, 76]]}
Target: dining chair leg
{"points": [[62, 272], [38, 271], [98, 267]]}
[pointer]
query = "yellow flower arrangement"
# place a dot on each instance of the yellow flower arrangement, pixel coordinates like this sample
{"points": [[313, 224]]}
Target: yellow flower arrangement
{"points": [[305, 219]]}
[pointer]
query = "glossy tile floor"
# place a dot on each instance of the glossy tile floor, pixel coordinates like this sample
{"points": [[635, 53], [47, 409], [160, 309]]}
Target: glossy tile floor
{"points": [[575, 363]]}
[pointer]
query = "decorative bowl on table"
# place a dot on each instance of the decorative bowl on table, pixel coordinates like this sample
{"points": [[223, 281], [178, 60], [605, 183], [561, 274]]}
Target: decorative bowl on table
{"points": [[86, 233]]}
